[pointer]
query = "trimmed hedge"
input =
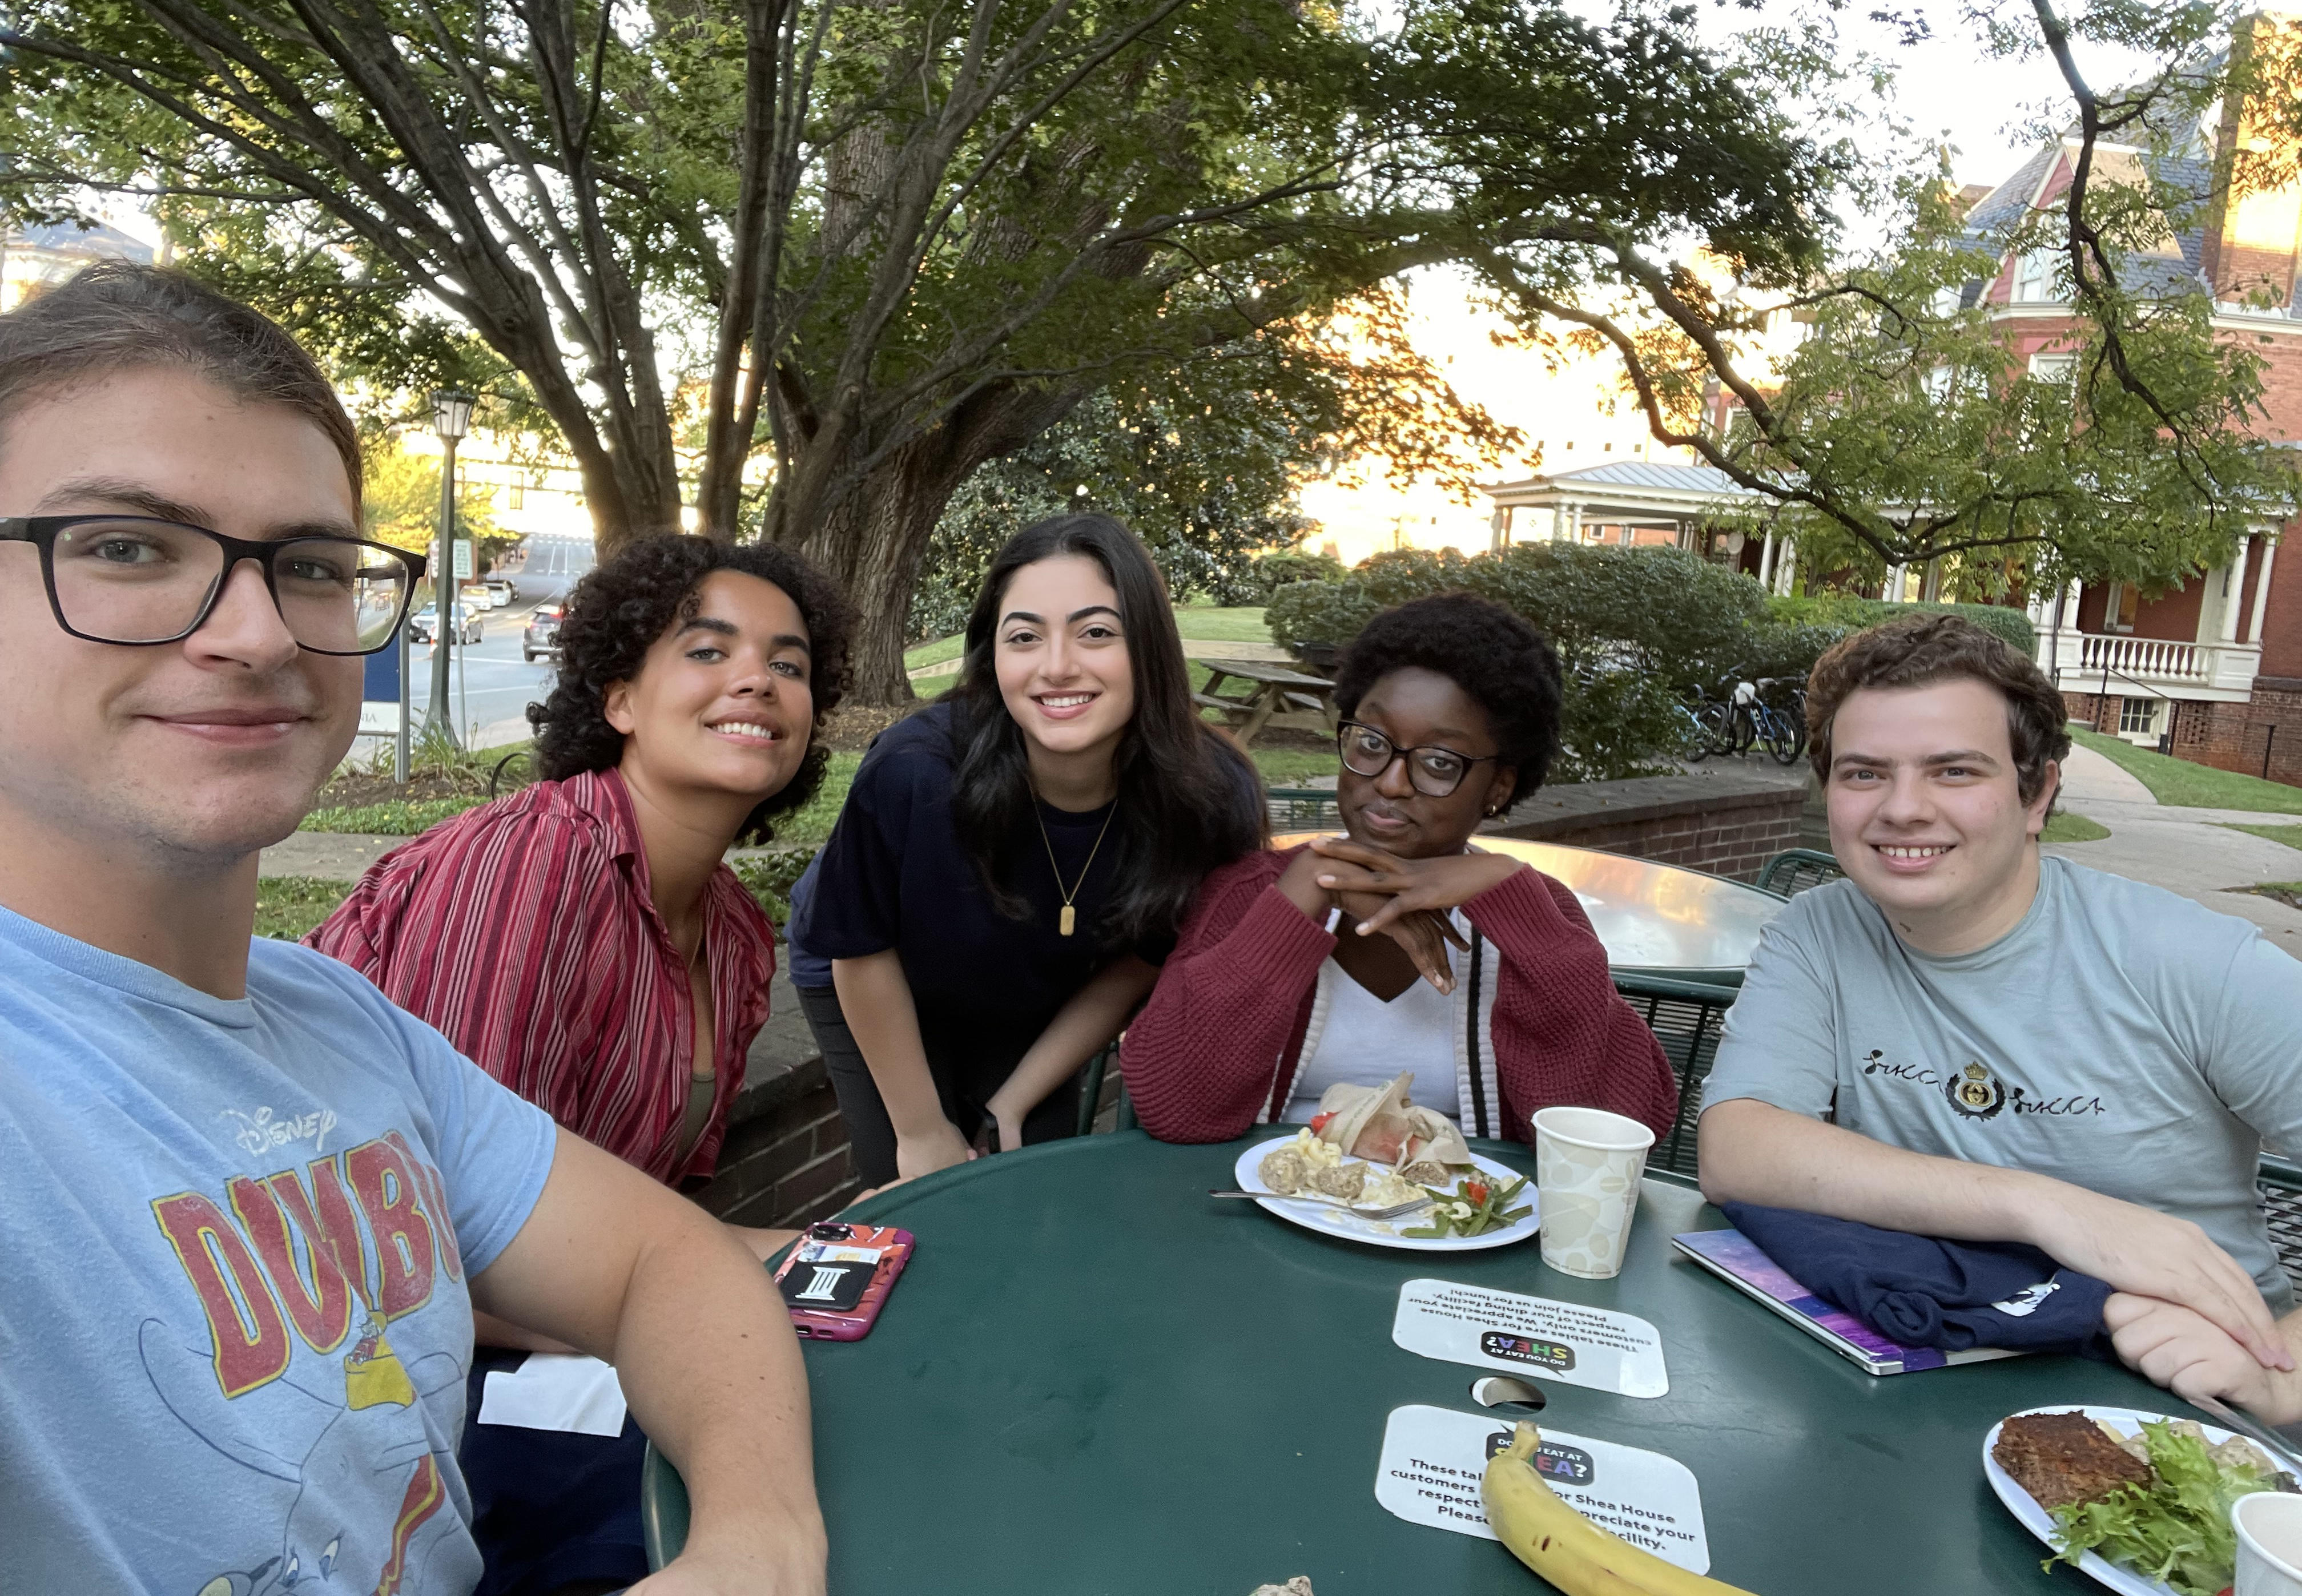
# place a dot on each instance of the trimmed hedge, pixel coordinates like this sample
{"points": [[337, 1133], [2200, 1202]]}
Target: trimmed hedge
{"points": [[1318, 612], [1846, 614]]}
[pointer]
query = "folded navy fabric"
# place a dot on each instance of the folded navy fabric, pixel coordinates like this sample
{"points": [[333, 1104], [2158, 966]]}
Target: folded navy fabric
{"points": [[1923, 1292]]}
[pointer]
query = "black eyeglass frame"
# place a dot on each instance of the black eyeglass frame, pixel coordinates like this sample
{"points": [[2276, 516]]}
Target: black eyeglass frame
{"points": [[1344, 728], [41, 533]]}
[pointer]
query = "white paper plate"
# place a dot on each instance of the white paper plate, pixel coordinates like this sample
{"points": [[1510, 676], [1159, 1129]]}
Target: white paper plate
{"points": [[2126, 1421], [1331, 1220]]}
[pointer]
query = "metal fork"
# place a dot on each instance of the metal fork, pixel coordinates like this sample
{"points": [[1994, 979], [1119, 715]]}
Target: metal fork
{"points": [[1393, 1212]]}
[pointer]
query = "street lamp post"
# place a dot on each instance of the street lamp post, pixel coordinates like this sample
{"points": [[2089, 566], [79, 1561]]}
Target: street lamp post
{"points": [[451, 418]]}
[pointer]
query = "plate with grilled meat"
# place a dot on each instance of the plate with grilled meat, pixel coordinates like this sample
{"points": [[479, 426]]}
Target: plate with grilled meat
{"points": [[2083, 1478]]}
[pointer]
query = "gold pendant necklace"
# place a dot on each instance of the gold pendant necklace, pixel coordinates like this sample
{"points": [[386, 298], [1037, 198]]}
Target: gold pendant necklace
{"points": [[1068, 920]]}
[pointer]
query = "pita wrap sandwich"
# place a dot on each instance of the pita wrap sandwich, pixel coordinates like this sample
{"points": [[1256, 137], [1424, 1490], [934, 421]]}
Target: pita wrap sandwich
{"points": [[1379, 1123]]}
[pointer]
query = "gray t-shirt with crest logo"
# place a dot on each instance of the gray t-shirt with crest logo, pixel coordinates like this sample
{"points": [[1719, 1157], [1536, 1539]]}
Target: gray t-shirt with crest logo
{"points": [[2120, 1038]]}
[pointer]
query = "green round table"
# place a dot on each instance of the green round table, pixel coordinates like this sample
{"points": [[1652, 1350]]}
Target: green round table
{"points": [[1094, 1378]]}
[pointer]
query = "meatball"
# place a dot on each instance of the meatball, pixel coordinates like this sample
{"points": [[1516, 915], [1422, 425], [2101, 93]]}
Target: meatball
{"points": [[1344, 1180], [1283, 1170]]}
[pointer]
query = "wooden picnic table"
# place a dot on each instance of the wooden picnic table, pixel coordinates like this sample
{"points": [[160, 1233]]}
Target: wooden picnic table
{"points": [[1275, 696]]}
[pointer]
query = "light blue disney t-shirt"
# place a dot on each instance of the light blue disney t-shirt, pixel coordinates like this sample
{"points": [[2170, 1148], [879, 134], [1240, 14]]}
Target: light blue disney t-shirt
{"points": [[235, 1237]]}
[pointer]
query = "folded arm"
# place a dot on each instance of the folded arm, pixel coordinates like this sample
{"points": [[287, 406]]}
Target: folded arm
{"points": [[1202, 1057], [1563, 1034], [2190, 1356], [615, 1266], [1752, 1151]]}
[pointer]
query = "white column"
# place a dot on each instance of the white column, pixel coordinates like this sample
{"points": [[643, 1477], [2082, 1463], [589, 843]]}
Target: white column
{"points": [[1891, 590], [1766, 559], [1499, 530], [1787, 567], [2233, 594], [2262, 588]]}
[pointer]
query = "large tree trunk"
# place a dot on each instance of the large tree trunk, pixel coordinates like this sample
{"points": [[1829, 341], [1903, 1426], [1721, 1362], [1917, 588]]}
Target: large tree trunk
{"points": [[873, 543]]}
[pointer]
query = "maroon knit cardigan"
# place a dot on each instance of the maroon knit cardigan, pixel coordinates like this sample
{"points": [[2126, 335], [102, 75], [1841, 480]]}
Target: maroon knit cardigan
{"points": [[1222, 1034]]}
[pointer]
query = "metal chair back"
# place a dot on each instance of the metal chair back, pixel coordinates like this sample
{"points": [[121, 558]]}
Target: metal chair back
{"points": [[1795, 869], [2278, 1187], [1686, 1018]]}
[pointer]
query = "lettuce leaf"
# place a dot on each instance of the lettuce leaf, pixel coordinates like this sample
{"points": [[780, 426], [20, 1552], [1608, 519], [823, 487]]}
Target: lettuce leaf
{"points": [[2177, 1530]]}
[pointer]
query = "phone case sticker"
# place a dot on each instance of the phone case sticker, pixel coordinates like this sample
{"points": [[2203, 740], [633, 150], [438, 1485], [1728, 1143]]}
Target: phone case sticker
{"points": [[825, 1252], [832, 1286]]}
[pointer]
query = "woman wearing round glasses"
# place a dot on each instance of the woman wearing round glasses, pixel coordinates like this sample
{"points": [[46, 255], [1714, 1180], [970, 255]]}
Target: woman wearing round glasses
{"points": [[1401, 947]]}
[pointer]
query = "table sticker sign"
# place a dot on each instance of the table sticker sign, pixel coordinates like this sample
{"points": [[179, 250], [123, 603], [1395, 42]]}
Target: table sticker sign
{"points": [[1532, 1337], [1433, 1459]]}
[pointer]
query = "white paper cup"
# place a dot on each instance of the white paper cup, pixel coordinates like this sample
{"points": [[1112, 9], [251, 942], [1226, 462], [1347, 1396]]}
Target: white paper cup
{"points": [[2269, 1525], [1587, 1163]]}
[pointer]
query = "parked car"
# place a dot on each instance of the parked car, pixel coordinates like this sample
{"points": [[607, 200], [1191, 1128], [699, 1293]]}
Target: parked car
{"points": [[425, 623], [476, 597], [500, 589], [542, 634]]}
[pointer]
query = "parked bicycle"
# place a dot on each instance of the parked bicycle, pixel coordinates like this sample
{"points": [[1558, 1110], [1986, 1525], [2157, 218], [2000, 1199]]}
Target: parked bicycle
{"points": [[1777, 730]]}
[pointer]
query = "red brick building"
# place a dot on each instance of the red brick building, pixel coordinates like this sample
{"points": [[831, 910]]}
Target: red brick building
{"points": [[2210, 670]]}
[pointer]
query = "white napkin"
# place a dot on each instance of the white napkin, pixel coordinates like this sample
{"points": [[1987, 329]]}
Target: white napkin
{"points": [[556, 1391]]}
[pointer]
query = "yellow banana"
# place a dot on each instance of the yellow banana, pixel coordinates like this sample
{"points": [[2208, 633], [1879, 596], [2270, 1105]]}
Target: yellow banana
{"points": [[1566, 1549]]}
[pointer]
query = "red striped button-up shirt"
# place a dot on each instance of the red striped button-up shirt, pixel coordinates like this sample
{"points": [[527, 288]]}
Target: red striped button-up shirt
{"points": [[523, 930]]}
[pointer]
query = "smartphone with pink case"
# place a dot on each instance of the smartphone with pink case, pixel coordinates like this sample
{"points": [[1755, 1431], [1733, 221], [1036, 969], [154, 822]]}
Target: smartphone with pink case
{"points": [[838, 1275]]}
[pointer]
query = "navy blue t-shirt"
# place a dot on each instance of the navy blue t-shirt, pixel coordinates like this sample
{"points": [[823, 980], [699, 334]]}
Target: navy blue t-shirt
{"points": [[895, 876]]}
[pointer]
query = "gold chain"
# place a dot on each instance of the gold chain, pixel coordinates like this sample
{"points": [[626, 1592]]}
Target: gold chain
{"points": [[1067, 921]]}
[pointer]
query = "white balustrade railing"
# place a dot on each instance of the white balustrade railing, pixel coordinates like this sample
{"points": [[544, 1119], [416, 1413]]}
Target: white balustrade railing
{"points": [[2146, 657], [2220, 669]]}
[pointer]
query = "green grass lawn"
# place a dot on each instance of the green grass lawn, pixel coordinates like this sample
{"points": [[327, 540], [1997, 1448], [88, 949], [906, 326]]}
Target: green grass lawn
{"points": [[397, 817], [2067, 828], [1204, 622], [2291, 836], [289, 906], [2201, 786], [1208, 624], [935, 652]]}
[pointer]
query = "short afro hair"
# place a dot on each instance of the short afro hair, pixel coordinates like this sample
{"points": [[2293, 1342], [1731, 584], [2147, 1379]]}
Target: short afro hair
{"points": [[1507, 666], [623, 607]]}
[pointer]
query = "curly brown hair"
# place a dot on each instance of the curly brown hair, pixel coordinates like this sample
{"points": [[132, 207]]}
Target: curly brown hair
{"points": [[1924, 648], [623, 607]]}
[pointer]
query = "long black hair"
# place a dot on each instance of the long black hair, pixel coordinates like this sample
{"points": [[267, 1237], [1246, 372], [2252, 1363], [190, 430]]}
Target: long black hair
{"points": [[1189, 799], [622, 606]]}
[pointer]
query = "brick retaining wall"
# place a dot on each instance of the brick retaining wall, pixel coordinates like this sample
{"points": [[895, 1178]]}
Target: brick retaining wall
{"points": [[785, 1159], [1725, 821]]}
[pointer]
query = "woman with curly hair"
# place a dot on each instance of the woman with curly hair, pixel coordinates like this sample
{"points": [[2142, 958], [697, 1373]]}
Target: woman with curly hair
{"points": [[582, 938], [1331, 963], [1014, 860]]}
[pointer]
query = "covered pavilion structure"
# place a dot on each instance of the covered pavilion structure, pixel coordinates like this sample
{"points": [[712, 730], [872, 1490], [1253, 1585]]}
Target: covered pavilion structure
{"points": [[1637, 503]]}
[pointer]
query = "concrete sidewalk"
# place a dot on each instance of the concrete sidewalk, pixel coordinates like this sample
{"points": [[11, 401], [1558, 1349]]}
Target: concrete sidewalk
{"points": [[2180, 849], [329, 855]]}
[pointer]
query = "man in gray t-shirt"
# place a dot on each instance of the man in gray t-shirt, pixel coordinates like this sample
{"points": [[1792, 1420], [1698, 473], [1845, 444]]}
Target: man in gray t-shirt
{"points": [[1965, 1040]]}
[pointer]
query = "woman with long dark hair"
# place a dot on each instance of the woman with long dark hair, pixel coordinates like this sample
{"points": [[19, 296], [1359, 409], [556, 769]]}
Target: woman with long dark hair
{"points": [[1013, 861]]}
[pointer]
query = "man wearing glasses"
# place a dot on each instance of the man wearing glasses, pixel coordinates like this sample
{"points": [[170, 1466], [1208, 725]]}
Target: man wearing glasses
{"points": [[1402, 946], [246, 1206]]}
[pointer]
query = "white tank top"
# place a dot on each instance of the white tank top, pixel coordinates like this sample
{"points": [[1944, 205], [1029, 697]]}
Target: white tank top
{"points": [[1367, 1041]]}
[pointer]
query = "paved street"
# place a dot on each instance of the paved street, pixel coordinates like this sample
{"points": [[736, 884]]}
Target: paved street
{"points": [[497, 684], [2180, 849]]}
